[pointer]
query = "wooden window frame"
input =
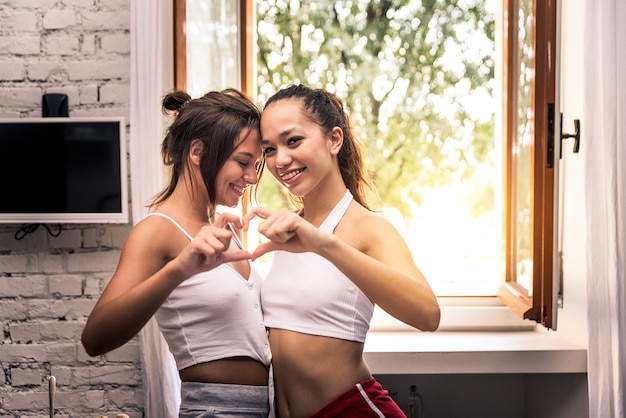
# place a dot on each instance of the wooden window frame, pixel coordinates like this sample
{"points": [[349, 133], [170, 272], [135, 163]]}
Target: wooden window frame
{"points": [[539, 304], [180, 45], [246, 39]]}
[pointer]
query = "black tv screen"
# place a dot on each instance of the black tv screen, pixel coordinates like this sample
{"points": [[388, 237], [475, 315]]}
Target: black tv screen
{"points": [[63, 170]]}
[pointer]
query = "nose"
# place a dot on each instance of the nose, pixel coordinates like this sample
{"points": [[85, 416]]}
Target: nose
{"points": [[250, 176], [282, 158]]}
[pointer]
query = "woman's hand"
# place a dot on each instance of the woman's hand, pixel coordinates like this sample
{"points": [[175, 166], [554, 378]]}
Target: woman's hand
{"points": [[286, 231], [210, 247]]}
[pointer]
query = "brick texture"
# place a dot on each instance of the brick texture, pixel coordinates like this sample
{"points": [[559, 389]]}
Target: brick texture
{"points": [[48, 285]]}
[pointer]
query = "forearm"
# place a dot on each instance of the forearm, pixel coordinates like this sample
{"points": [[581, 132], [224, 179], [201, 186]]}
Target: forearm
{"points": [[403, 294]]}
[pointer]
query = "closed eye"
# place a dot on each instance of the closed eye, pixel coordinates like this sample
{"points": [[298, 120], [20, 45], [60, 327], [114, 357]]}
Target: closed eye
{"points": [[243, 163]]}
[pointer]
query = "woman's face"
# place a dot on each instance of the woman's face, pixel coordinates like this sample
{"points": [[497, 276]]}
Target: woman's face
{"points": [[239, 170], [297, 152]]}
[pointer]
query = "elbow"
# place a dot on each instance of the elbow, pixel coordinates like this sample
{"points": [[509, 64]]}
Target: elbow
{"points": [[91, 352], [426, 320], [430, 321], [91, 347]]}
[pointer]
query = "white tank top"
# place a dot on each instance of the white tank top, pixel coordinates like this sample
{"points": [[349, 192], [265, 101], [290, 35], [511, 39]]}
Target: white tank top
{"points": [[213, 315], [304, 292]]}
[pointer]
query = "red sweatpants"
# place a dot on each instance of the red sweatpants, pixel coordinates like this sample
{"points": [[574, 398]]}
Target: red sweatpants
{"points": [[365, 399]]}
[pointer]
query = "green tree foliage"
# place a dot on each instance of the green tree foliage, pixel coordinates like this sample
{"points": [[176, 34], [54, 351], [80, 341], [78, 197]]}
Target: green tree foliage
{"points": [[411, 74]]}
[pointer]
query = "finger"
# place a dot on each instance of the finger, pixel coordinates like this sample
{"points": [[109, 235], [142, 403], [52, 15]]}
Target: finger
{"points": [[279, 236], [213, 253], [223, 233], [212, 241], [279, 228], [265, 248], [235, 255], [224, 219], [272, 222], [260, 212]]}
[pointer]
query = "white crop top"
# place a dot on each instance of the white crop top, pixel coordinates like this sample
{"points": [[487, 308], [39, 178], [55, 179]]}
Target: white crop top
{"points": [[305, 292], [213, 315]]}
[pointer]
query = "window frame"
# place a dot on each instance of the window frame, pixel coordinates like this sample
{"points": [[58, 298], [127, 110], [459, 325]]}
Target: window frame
{"points": [[180, 42], [537, 304], [246, 39]]}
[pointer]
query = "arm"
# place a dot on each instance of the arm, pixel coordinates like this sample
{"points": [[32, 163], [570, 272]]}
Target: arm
{"points": [[148, 270], [377, 259], [368, 250]]}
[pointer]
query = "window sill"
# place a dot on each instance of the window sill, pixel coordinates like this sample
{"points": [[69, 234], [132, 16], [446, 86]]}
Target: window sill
{"points": [[462, 314], [472, 352], [476, 336]]}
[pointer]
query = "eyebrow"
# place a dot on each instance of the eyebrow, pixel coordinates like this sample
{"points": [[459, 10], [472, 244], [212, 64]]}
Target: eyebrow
{"points": [[244, 154], [281, 135]]}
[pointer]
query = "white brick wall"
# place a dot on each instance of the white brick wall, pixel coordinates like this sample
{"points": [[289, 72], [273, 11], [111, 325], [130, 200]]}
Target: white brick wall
{"points": [[48, 285]]}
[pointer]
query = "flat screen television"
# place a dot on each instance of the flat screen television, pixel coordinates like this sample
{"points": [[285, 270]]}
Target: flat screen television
{"points": [[63, 170]]}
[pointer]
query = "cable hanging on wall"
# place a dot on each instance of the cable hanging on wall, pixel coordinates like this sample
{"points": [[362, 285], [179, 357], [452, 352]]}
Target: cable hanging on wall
{"points": [[26, 229]]}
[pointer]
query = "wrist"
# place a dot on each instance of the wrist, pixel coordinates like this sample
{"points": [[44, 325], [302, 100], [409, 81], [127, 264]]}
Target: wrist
{"points": [[175, 271], [328, 246]]}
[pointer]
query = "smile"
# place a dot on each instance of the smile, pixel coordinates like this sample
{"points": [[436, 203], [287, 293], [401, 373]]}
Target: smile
{"points": [[291, 174], [239, 189]]}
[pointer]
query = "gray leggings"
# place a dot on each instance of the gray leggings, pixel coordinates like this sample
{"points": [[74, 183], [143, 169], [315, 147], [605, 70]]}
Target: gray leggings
{"points": [[206, 400]]}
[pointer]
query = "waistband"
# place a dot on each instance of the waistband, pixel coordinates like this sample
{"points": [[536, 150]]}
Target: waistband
{"points": [[226, 395]]}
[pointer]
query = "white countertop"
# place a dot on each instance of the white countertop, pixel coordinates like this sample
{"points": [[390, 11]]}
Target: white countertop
{"points": [[459, 352]]}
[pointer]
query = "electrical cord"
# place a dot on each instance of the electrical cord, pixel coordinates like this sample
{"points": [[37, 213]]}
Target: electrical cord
{"points": [[26, 229]]}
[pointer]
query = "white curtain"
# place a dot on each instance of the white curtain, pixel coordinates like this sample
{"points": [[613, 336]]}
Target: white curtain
{"points": [[603, 128], [160, 377]]}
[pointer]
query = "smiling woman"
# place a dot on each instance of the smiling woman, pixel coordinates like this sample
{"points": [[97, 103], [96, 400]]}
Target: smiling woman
{"points": [[345, 258], [181, 263]]}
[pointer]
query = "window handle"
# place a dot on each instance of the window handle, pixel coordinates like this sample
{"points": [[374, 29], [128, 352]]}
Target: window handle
{"points": [[550, 138], [575, 135]]}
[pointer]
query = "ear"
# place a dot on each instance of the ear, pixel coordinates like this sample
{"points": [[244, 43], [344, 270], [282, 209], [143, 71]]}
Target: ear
{"points": [[195, 151], [336, 140]]}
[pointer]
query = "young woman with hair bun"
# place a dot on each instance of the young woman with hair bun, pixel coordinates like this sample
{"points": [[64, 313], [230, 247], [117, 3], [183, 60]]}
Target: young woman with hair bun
{"points": [[184, 264]]}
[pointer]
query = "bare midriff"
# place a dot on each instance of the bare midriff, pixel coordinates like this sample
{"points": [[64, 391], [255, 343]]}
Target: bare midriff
{"points": [[236, 370], [311, 371]]}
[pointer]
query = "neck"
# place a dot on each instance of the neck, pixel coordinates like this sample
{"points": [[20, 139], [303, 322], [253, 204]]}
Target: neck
{"points": [[317, 206], [190, 204]]}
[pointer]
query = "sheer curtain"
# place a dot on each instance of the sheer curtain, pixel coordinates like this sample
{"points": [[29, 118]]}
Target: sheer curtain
{"points": [[160, 377], [604, 138]]}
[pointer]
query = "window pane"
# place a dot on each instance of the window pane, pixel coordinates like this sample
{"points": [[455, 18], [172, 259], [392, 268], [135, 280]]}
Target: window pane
{"points": [[347, 48], [419, 81], [212, 45], [523, 161]]}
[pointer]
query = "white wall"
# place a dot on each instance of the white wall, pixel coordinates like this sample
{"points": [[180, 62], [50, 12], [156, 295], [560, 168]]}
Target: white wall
{"points": [[572, 318]]}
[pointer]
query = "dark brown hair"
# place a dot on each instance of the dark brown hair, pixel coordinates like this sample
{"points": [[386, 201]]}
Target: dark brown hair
{"points": [[217, 119]]}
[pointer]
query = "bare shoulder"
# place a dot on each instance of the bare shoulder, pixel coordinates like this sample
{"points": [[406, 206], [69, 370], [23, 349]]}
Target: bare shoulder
{"points": [[365, 230], [155, 236]]}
